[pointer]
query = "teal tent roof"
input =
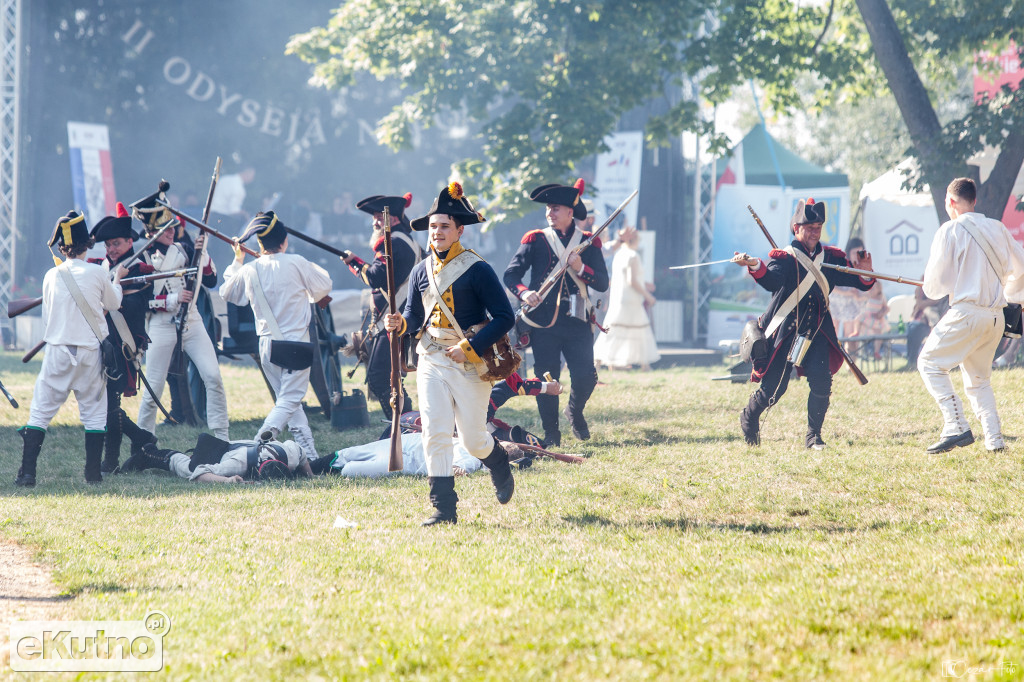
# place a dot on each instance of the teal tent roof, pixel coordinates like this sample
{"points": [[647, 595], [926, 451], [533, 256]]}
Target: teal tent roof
{"points": [[759, 167]]}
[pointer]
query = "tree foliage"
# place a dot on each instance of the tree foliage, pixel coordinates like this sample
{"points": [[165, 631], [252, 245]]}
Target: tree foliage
{"points": [[548, 79]]}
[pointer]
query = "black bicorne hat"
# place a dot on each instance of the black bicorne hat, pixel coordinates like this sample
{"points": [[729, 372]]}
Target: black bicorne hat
{"points": [[452, 202], [563, 195], [69, 231], [268, 228], [115, 227], [808, 212]]}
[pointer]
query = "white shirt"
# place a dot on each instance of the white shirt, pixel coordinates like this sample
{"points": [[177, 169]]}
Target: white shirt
{"points": [[290, 283], [65, 323], [229, 195], [958, 267]]}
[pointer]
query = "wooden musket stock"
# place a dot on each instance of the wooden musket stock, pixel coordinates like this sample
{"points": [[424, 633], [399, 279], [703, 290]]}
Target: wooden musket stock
{"points": [[206, 228], [395, 460]]}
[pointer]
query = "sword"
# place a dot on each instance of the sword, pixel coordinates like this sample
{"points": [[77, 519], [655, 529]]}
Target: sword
{"points": [[149, 389], [700, 265]]}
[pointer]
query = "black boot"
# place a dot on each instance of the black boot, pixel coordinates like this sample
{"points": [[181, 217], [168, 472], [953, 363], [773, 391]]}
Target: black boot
{"points": [[443, 499], [574, 414], [139, 436], [149, 457], [817, 406], [501, 473], [94, 456], [31, 445], [112, 443], [750, 419]]}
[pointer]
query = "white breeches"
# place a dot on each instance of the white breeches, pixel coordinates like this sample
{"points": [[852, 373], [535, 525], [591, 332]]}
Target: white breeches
{"points": [[199, 348], [66, 369], [967, 336], [290, 388], [451, 396]]}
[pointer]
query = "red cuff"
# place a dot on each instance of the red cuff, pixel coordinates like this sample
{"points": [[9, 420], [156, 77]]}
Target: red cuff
{"points": [[208, 270], [519, 289], [761, 270]]}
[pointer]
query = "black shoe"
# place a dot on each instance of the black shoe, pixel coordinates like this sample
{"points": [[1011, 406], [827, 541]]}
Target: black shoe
{"points": [[142, 441], [107, 468], [948, 443], [24, 480], [578, 424], [551, 440], [814, 441]]}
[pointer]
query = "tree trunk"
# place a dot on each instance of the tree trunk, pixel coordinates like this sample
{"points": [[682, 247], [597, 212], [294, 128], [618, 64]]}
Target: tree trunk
{"points": [[923, 124]]}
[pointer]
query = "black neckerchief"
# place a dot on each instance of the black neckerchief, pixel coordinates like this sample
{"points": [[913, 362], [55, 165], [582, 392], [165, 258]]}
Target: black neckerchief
{"points": [[159, 246]]}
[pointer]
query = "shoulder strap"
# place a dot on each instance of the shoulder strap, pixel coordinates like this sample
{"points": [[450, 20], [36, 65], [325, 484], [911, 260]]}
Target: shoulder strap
{"points": [[802, 287], [968, 224], [441, 304], [76, 294], [455, 268]]}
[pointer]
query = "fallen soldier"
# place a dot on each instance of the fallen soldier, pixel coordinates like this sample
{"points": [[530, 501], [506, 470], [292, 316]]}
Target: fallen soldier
{"points": [[217, 461]]}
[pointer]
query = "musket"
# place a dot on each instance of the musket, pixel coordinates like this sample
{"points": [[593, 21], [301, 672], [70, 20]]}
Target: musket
{"points": [[207, 229], [877, 275], [153, 276], [861, 379], [316, 242], [192, 281], [395, 462], [10, 398], [32, 351], [22, 305], [556, 275]]}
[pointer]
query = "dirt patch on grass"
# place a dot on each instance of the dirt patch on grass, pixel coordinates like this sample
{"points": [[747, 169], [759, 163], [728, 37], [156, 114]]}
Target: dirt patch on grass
{"points": [[27, 592]]}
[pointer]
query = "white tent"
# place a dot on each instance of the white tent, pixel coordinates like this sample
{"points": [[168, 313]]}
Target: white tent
{"points": [[899, 226]]}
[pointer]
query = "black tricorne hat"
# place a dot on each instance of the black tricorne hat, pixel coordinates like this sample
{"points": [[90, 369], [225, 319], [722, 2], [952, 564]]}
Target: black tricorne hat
{"points": [[115, 227], [808, 212], [375, 204], [452, 202], [70, 230], [563, 195], [268, 228]]}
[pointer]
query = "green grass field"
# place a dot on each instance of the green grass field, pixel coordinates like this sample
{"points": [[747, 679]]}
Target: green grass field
{"points": [[673, 552]]}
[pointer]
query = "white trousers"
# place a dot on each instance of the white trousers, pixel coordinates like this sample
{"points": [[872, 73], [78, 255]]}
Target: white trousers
{"points": [[967, 336], [451, 396], [66, 369], [199, 348], [290, 388]]}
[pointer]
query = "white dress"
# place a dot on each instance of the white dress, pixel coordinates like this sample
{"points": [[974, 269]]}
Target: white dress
{"points": [[630, 339]]}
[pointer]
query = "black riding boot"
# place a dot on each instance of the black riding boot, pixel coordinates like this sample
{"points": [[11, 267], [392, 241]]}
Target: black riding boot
{"points": [[444, 500], [501, 473], [94, 456], [574, 413], [817, 406], [136, 434], [112, 443], [149, 457], [31, 445], [750, 418]]}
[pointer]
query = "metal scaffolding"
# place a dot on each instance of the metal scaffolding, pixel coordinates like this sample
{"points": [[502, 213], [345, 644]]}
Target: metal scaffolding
{"points": [[10, 71], [703, 235]]}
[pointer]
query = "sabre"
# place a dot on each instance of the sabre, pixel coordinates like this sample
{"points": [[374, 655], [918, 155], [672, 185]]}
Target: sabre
{"points": [[700, 265], [10, 398]]}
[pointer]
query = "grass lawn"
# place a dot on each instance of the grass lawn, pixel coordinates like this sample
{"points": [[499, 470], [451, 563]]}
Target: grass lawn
{"points": [[673, 552]]}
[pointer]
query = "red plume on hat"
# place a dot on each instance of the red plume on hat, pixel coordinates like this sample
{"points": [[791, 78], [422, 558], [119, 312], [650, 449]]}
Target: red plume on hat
{"points": [[580, 185], [408, 199], [122, 212]]}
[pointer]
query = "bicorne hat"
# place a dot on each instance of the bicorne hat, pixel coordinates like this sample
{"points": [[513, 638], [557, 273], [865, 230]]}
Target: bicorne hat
{"points": [[376, 203], [563, 195], [452, 202], [115, 227], [268, 228], [808, 212], [70, 230]]}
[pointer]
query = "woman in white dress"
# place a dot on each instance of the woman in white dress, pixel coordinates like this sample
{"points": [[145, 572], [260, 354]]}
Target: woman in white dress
{"points": [[630, 339]]}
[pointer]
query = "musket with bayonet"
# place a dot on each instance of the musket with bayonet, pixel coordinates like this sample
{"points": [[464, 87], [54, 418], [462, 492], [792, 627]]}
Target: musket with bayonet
{"points": [[192, 282], [861, 378], [395, 459], [556, 275]]}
